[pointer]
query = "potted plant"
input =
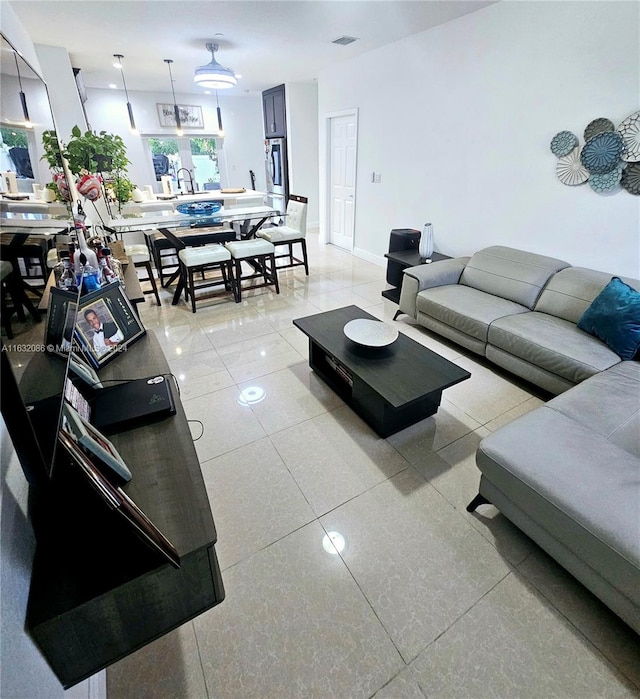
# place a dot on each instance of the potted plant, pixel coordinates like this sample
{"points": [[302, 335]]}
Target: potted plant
{"points": [[95, 152], [53, 155]]}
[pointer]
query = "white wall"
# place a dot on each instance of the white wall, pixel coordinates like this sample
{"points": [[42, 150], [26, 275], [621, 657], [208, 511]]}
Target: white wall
{"points": [[39, 112], [63, 93], [241, 118], [302, 144], [458, 121]]}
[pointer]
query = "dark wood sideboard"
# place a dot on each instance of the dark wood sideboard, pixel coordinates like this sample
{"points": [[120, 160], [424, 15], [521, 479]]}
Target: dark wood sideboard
{"points": [[400, 260], [97, 592]]}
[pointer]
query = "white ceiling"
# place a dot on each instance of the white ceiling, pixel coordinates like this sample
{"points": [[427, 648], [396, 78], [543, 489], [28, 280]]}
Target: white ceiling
{"points": [[267, 41]]}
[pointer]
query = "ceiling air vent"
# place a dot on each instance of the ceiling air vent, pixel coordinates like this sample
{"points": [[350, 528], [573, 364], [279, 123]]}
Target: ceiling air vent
{"points": [[344, 40]]}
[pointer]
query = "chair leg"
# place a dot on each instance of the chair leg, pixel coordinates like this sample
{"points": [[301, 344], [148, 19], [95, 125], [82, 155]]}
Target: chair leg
{"points": [[6, 312], [274, 272], [192, 290], [152, 281], [238, 271], [235, 283], [303, 243]]}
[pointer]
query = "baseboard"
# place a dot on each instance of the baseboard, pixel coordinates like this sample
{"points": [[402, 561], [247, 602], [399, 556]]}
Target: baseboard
{"points": [[370, 257]]}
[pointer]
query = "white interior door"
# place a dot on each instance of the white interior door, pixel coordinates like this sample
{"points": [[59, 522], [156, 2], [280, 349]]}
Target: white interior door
{"points": [[343, 147]]}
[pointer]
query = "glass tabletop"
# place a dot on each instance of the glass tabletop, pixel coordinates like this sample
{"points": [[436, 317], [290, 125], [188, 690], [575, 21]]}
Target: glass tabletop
{"points": [[174, 219]]}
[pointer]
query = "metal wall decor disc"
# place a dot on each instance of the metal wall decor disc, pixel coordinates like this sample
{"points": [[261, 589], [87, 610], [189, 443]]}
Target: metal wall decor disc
{"points": [[602, 153], [629, 129], [570, 170], [607, 182], [631, 178], [598, 126], [563, 143]]}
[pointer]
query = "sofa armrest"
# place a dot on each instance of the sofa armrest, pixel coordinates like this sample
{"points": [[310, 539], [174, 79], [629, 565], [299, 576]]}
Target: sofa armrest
{"points": [[421, 277]]}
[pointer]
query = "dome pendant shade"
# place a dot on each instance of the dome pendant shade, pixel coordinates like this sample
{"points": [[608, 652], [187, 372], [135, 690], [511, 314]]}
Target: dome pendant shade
{"points": [[213, 75]]}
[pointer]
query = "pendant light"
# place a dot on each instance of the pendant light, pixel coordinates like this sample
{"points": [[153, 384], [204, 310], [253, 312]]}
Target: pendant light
{"points": [[220, 129], [23, 97], [119, 58], [214, 75], [176, 111]]}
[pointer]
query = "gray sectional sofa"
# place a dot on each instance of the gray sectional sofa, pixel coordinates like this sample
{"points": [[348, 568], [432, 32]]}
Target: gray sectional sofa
{"points": [[518, 309], [568, 472]]}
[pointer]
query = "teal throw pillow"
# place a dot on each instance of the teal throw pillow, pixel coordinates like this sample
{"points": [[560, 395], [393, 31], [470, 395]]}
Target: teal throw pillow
{"points": [[614, 318]]}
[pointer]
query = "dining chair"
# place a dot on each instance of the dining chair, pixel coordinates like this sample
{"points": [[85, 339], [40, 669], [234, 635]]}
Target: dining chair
{"points": [[294, 231], [13, 291], [197, 260], [260, 256], [141, 258], [165, 255]]}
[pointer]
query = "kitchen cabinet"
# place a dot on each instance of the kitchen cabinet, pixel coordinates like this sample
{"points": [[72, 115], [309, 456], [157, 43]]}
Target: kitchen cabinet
{"points": [[273, 106]]}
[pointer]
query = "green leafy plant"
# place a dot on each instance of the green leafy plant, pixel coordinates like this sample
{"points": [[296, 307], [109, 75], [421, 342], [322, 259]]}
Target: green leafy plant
{"points": [[163, 146], [122, 188], [13, 137], [95, 152], [52, 151]]}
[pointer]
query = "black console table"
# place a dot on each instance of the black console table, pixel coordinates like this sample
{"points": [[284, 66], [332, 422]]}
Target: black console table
{"points": [[404, 259], [97, 592]]}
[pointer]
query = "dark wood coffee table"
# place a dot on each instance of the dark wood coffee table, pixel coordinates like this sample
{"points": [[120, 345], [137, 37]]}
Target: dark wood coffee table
{"points": [[390, 387]]}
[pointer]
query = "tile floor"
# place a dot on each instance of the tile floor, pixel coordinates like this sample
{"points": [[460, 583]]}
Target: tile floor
{"points": [[350, 565]]}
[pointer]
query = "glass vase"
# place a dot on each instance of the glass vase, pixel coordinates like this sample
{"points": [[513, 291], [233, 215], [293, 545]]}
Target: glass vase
{"points": [[426, 242]]}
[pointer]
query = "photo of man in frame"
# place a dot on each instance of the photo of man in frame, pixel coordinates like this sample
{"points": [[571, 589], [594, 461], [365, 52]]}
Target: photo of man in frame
{"points": [[99, 328]]}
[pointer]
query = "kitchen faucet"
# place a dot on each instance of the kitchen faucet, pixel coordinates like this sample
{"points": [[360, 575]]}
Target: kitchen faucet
{"points": [[191, 190]]}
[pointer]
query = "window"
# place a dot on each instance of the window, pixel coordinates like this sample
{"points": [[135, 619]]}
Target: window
{"points": [[198, 155], [14, 152]]}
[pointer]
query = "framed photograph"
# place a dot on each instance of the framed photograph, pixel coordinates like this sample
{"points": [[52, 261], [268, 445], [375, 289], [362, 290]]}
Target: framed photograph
{"points": [[106, 324], [61, 318], [93, 440], [190, 115], [116, 499]]}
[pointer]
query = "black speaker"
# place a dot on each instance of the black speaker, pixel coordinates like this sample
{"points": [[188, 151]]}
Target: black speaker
{"points": [[400, 239]]}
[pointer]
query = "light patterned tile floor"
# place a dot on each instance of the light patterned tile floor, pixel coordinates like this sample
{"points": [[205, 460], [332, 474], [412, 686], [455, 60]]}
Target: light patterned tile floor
{"points": [[351, 567]]}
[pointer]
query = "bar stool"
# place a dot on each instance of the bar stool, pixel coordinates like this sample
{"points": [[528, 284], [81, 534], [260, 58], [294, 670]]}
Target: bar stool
{"points": [[141, 259], [198, 260], [294, 232], [12, 289], [165, 254], [260, 255], [28, 254]]}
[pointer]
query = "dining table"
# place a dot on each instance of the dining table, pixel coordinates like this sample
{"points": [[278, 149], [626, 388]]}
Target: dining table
{"points": [[249, 219]]}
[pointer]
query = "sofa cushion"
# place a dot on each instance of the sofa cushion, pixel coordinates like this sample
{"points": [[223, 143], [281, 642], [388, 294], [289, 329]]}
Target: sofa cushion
{"points": [[579, 487], [553, 344], [614, 317], [512, 274], [571, 291], [465, 309], [607, 404]]}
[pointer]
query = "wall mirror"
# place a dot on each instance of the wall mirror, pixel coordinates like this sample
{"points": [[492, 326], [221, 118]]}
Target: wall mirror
{"points": [[21, 146]]}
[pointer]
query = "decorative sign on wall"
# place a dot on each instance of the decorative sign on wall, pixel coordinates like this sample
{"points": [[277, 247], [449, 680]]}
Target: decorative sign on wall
{"points": [[190, 115], [609, 159]]}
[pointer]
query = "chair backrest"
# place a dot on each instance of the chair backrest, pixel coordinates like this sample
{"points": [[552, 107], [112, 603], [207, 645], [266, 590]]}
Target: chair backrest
{"points": [[297, 213]]}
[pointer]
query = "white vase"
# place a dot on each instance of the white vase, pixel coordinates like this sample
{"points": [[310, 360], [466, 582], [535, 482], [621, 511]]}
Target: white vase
{"points": [[47, 195], [138, 195], [426, 242]]}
